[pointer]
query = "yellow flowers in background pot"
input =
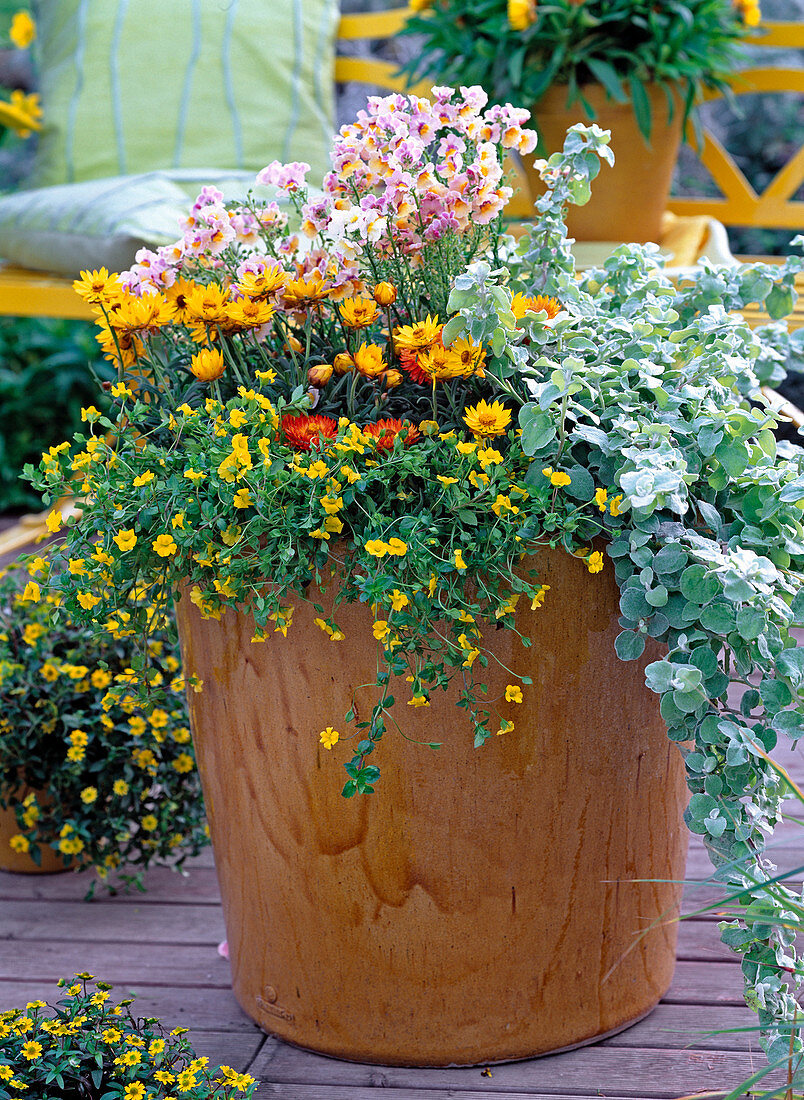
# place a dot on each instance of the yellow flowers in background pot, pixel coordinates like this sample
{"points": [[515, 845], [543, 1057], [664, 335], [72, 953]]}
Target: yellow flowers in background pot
{"points": [[89, 771], [86, 1037]]}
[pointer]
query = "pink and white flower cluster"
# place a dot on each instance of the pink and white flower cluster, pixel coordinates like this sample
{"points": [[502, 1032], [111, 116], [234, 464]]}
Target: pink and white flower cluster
{"points": [[406, 173]]}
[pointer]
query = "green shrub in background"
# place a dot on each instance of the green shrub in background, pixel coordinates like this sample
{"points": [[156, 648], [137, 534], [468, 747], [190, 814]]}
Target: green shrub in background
{"points": [[49, 369]]}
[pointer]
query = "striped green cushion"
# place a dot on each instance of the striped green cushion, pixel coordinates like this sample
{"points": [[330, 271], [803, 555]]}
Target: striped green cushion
{"points": [[101, 223], [135, 85]]}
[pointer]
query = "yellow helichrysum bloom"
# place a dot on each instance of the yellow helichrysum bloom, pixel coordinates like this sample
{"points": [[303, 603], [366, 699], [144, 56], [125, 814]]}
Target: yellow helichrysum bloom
{"points": [[385, 293], [125, 540], [521, 14], [329, 737], [23, 30], [594, 563], [487, 420], [164, 545], [207, 364], [513, 693], [358, 312], [369, 361]]}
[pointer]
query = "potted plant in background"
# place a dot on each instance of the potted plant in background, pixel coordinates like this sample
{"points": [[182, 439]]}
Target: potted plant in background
{"points": [[635, 67], [86, 1047], [87, 778], [417, 489]]}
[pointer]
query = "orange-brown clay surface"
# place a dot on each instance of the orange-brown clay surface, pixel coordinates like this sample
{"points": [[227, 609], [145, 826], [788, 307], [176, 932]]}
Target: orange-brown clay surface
{"points": [[482, 904]]}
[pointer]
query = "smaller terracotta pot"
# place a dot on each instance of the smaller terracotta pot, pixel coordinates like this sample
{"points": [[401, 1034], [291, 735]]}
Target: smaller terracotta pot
{"points": [[629, 199], [21, 863]]}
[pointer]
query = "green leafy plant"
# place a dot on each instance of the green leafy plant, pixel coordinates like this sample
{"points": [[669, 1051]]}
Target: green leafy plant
{"points": [[517, 49], [88, 772], [614, 415], [85, 1048], [46, 375]]}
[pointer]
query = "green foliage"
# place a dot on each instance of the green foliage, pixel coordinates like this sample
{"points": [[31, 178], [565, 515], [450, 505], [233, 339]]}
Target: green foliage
{"points": [[84, 1048], [88, 772], [682, 45], [46, 375]]}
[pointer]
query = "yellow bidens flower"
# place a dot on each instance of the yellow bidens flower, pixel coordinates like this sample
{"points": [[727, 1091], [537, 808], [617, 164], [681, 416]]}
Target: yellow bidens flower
{"points": [[125, 540], [329, 737], [594, 563], [487, 420], [556, 476], [521, 14], [164, 545]]}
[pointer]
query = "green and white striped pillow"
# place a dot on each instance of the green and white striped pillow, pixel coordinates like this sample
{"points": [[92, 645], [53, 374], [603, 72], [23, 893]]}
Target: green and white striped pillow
{"points": [[133, 86]]}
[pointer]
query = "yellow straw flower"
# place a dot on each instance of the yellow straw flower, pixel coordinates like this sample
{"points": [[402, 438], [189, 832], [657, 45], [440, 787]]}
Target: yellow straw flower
{"points": [[487, 420]]}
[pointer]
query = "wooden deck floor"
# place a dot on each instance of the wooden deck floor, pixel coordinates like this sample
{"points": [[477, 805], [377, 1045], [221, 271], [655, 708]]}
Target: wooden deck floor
{"points": [[162, 946]]}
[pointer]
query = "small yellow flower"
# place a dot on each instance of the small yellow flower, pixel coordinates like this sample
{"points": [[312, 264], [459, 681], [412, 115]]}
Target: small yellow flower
{"points": [[242, 499], [22, 31], [614, 505], [76, 753], [143, 479], [207, 365], [447, 480], [125, 540], [149, 823], [513, 694], [538, 598], [54, 521], [100, 678], [329, 737], [87, 600], [89, 795], [398, 600], [556, 477], [601, 497], [32, 593], [419, 701], [31, 1050], [19, 843], [120, 787], [183, 763], [164, 545], [594, 563], [505, 727], [381, 630], [377, 548], [397, 547], [459, 562]]}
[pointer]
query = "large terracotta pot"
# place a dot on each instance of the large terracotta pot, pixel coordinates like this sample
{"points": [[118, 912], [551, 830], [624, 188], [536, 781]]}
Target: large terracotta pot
{"points": [[629, 199], [483, 904], [21, 862]]}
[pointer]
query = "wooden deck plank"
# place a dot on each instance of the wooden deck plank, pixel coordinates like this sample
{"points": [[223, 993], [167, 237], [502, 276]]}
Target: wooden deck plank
{"points": [[590, 1071]]}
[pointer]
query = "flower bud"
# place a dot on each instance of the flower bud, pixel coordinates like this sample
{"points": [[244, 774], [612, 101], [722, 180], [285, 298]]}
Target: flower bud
{"points": [[392, 379], [320, 374], [384, 294], [207, 364], [343, 362]]}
